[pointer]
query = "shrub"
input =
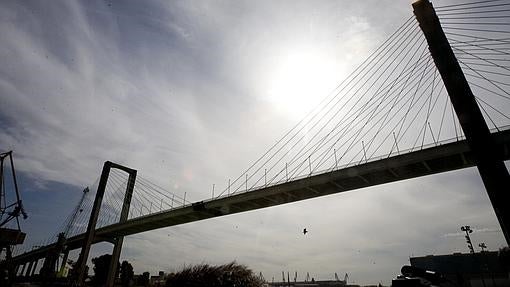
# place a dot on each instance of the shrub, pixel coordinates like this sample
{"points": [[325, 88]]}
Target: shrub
{"points": [[228, 275]]}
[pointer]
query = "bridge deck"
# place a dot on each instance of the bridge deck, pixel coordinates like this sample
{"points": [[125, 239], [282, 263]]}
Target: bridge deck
{"points": [[442, 158]]}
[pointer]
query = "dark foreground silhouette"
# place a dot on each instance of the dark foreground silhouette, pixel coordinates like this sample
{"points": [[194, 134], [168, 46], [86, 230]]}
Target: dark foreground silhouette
{"points": [[231, 274]]}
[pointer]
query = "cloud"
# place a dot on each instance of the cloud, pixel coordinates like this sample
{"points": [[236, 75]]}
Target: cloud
{"points": [[179, 91]]}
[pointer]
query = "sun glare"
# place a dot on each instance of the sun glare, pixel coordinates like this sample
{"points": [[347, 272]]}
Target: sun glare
{"points": [[299, 81]]}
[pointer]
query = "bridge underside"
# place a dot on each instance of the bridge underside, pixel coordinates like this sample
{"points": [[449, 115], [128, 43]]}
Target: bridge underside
{"points": [[438, 159]]}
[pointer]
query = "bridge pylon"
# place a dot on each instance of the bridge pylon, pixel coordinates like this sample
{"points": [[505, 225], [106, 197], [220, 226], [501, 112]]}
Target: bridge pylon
{"points": [[91, 227], [486, 153]]}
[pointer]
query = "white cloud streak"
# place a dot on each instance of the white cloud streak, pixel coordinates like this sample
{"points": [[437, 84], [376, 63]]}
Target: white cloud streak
{"points": [[179, 91]]}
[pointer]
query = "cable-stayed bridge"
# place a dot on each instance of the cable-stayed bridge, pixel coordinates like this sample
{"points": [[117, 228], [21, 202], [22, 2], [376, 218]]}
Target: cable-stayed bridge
{"points": [[397, 116]]}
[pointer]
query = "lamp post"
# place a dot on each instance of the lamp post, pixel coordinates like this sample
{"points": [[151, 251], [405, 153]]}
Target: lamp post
{"points": [[468, 230]]}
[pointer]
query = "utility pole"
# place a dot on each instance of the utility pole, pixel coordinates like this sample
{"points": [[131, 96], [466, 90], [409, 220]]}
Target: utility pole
{"points": [[486, 153]]}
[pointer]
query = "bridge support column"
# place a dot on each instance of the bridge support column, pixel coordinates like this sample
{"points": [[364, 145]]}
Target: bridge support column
{"points": [[35, 267], [491, 167], [23, 269], [29, 269], [117, 248], [91, 227], [64, 262]]}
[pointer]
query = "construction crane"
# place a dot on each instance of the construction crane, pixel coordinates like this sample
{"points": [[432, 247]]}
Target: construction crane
{"points": [[11, 208], [346, 277]]}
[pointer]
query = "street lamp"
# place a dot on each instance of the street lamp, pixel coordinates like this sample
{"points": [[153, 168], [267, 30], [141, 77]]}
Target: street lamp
{"points": [[468, 230]]}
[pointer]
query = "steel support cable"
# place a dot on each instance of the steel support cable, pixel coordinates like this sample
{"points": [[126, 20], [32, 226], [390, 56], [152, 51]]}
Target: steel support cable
{"points": [[398, 98], [387, 113], [477, 38], [347, 80], [475, 23], [467, 4], [150, 202], [153, 192], [142, 199], [108, 204], [416, 115], [382, 90], [350, 138], [297, 142], [390, 100], [489, 72], [393, 47], [484, 65], [115, 191], [442, 117], [440, 14], [476, 30], [109, 208], [342, 133], [481, 77], [428, 108], [408, 75], [114, 184], [493, 108], [159, 200], [439, 10], [479, 48], [481, 43], [414, 94], [412, 104], [475, 17], [462, 57], [179, 200], [393, 144], [398, 123], [157, 188], [499, 50], [365, 105], [424, 129], [487, 114], [491, 91]]}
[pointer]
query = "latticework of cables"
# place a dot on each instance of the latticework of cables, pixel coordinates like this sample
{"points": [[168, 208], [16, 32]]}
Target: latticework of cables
{"points": [[479, 33]]}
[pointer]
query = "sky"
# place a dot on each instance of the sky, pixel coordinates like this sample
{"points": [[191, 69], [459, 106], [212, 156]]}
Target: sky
{"points": [[190, 93]]}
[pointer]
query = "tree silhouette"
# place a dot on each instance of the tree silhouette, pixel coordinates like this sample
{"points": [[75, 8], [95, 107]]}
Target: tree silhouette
{"points": [[227, 275], [126, 273], [101, 267]]}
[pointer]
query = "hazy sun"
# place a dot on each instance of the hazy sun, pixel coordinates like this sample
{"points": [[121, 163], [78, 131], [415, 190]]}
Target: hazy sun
{"points": [[299, 80]]}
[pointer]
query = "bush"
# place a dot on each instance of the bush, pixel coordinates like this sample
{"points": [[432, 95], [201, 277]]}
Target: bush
{"points": [[228, 275]]}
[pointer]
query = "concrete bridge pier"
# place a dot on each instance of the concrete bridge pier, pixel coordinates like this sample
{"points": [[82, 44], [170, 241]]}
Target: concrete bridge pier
{"points": [[29, 269], [91, 228], [64, 262], [23, 269], [34, 268], [117, 245]]}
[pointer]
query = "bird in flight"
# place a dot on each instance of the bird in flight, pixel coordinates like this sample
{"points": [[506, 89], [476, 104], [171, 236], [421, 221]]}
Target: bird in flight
{"points": [[305, 231]]}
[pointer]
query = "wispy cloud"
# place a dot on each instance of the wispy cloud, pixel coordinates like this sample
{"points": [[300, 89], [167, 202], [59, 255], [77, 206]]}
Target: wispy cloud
{"points": [[179, 90]]}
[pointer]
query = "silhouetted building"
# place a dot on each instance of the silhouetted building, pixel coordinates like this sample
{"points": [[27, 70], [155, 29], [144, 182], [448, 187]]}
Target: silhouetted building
{"points": [[466, 269]]}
